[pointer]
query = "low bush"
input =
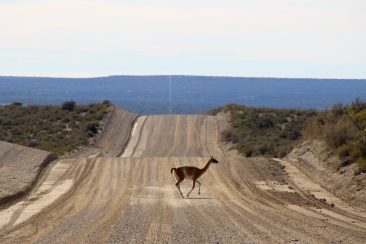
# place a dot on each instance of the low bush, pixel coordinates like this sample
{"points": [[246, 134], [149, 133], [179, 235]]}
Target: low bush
{"points": [[58, 129], [343, 128], [261, 131], [344, 151], [339, 132], [69, 105], [274, 132]]}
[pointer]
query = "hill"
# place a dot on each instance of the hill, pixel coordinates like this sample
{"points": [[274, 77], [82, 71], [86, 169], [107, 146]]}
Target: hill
{"points": [[190, 94]]}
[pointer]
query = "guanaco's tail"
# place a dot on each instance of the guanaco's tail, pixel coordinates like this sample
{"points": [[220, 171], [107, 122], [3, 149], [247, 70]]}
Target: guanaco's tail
{"points": [[171, 171]]}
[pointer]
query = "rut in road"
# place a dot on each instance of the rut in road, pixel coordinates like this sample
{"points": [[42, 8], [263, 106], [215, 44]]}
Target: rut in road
{"points": [[133, 198]]}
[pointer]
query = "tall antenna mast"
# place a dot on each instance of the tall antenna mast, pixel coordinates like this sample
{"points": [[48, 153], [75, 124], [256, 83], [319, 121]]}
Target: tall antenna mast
{"points": [[170, 94]]}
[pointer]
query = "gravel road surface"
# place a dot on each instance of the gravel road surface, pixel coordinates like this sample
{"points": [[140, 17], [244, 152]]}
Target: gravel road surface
{"points": [[131, 198]]}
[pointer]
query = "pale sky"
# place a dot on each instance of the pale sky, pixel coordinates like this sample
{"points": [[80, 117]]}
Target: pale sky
{"points": [[257, 38]]}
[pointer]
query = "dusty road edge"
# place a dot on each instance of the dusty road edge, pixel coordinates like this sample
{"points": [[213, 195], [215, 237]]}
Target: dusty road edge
{"points": [[129, 137], [13, 198]]}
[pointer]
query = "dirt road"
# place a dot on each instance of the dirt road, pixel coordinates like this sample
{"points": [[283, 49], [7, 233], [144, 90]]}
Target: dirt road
{"points": [[132, 198]]}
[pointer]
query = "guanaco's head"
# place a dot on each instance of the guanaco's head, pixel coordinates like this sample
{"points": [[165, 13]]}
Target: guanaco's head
{"points": [[213, 160]]}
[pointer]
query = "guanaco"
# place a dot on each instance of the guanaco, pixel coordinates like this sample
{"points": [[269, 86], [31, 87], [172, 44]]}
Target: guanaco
{"points": [[193, 173]]}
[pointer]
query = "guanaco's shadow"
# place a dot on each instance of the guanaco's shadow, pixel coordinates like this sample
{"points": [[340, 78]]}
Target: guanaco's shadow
{"points": [[200, 198]]}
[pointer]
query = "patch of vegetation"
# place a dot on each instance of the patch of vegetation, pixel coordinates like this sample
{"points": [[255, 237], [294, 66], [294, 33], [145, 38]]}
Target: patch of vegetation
{"points": [[274, 132], [343, 128], [263, 131], [58, 129]]}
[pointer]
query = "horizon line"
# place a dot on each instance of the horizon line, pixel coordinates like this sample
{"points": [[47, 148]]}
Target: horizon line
{"points": [[175, 75]]}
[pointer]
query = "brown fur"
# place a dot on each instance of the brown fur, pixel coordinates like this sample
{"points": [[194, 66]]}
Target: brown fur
{"points": [[189, 172]]}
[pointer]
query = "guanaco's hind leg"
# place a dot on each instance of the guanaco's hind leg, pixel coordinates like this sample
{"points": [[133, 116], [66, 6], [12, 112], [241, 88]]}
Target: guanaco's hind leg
{"points": [[194, 183], [199, 187], [178, 186]]}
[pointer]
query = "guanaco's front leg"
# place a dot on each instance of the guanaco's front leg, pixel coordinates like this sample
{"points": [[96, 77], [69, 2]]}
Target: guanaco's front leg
{"points": [[194, 182]]}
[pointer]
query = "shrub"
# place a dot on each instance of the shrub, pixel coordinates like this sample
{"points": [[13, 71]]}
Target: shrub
{"points": [[265, 123], [264, 149], [361, 166], [230, 136], [359, 149], [107, 102], [338, 109], [92, 128], [344, 151], [337, 134], [68, 105], [17, 104], [357, 106], [313, 129], [248, 152], [213, 112], [343, 128]]}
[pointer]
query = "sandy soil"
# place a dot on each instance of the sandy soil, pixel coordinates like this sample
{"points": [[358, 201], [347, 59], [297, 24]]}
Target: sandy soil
{"points": [[132, 198]]}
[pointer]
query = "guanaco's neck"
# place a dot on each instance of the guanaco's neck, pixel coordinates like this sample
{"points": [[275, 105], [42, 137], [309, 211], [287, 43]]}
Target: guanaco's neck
{"points": [[203, 170]]}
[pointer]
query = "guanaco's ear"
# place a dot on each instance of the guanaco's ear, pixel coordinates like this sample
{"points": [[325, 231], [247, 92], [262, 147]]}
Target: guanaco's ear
{"points": [[211, 157]]}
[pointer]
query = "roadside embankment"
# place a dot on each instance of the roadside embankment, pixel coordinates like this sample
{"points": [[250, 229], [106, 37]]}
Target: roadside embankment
{"points": [[20, 166], [322, 166], [117, 132], [19, 169], [114, 136]]}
